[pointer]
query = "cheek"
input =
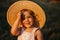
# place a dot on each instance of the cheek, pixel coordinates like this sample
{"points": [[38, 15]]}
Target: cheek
{"points": [[31, 20], [23, 21]]}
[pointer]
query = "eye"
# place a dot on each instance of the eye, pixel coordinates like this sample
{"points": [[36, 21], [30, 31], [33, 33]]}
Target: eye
{"points": [[29, 16]]}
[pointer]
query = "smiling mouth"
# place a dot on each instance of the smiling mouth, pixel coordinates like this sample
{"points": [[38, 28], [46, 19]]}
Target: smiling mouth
{"points": [[27, 23]]}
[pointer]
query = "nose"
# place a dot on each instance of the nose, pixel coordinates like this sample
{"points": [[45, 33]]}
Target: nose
{"points": [[26, 19]]}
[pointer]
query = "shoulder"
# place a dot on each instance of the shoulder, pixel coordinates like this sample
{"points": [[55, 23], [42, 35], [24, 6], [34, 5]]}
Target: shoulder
{"points": [[38, 32]]}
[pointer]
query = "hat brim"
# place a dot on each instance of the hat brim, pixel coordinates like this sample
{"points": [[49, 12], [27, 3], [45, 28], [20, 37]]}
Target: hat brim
{"points": [[19, 5]]}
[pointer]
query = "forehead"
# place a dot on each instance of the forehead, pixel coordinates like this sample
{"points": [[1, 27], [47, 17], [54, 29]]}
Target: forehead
{"points": [[27, 13]]}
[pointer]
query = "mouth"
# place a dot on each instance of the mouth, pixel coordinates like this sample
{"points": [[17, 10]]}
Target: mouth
{"points": [[27, 23]]}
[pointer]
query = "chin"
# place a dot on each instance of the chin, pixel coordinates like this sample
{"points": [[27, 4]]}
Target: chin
{"points": [[27, 26]]}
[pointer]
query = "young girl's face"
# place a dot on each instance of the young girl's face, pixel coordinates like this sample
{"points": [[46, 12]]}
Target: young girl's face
{"points": [[28, 20]]}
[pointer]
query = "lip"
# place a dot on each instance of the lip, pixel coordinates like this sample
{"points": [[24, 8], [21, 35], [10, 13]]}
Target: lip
{"points": [[27, 23]]}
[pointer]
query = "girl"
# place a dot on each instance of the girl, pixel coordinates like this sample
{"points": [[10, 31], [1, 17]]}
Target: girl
{"points": [[26, 26]]}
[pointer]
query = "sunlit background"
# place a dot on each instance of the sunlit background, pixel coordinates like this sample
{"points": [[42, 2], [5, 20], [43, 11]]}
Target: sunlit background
{"points": [[51, 29]]}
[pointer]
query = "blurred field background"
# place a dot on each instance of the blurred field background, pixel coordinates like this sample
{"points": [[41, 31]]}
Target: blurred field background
{"points": [[51, 29]]}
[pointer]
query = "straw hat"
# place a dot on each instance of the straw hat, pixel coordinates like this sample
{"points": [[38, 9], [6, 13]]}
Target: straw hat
{"points": [[19, 5]]}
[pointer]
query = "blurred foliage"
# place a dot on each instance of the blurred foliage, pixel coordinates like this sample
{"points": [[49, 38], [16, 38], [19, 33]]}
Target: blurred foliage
{"points": [[51, 30]]}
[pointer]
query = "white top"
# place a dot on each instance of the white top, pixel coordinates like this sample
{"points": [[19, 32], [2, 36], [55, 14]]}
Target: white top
{"points": [[27, 35]]}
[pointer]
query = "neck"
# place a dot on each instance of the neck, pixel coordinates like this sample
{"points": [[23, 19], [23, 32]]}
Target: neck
{"points": [[29, 29]]}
